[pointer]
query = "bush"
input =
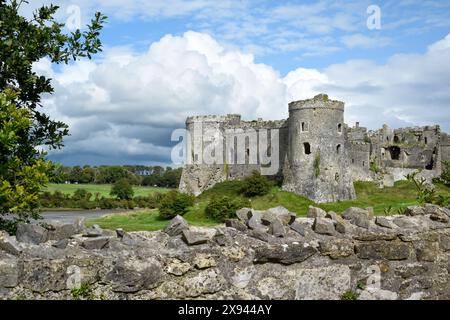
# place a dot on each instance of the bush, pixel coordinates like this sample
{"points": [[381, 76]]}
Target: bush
{"points": [[81, 194], [222, 208], [85, 204], [374, 167], [445, 176], [107, 203], [349, 295], [425, 193], [84, 292], [256, 185], [175, 203], [122, 190]]}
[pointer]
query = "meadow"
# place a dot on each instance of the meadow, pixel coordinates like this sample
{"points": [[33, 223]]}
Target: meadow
{"points": [[102, 189], [384, 201]]}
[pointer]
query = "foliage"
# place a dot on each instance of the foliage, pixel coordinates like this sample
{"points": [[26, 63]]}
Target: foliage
{"points": [[402, 194], [82, 199], [256, 185], [175, 203], [154, 176], [445, 175], [20, 178], [374, 166], [388, 211], [84, 292], [349, 295], [361, 285], [101, 189], [23, 127], [122, 190], [226, 169], [222, 208], [443, 201], [401, 210], [425, 193], [317, 165]]}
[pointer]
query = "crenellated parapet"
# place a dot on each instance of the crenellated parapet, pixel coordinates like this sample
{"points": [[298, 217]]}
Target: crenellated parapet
{"points": [[320, 101]]}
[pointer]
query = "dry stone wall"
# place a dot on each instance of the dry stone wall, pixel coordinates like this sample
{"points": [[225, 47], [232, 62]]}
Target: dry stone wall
{"points": [[260, 255]]}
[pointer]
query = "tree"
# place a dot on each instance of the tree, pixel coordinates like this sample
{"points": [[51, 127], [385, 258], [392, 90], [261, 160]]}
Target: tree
{"points": [[122, 190], [256, 185], [75, 174], [223, 207], [20, 182], [175, 203], [24, 127], [87, 175]]}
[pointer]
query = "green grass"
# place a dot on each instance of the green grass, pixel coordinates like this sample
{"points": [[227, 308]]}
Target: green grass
{"points": [[103, 189], [368, 195], [146, 220]]}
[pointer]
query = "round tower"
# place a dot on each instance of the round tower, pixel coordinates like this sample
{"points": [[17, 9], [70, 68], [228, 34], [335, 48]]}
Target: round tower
{"points": [[318, 162]]}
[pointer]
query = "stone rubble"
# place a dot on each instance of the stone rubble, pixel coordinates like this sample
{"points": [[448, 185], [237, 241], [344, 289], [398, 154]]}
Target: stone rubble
{"points": [[259, 255]]}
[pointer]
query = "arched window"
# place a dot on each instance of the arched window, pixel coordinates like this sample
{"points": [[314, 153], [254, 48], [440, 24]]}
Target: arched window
{"points": [[307, 148], [338, 149], [339, 127]]}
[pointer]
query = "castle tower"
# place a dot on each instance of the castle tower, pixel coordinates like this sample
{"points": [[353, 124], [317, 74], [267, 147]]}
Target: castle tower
{"points": [[318, 162]]}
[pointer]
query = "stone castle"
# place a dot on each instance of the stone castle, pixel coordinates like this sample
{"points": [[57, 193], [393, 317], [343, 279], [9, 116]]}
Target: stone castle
{"points": [[313, 152]]}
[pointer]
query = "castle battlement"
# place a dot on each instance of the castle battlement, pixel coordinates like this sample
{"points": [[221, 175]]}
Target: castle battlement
{"points": [[229, 118], [321, 101]]}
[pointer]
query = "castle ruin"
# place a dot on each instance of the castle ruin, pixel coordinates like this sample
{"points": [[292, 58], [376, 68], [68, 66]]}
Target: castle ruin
{"points": [[313, 152]]}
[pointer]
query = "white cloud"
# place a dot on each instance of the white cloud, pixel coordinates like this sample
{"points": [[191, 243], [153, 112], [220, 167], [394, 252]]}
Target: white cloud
{"points": [[360, 40], [409, 89], [178, 76], [124, 107]]}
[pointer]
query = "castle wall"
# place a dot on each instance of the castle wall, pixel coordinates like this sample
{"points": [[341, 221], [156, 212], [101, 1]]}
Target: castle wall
{"points": [[445, 147], [359, 154], [357, 133], [223, 148], [393, 257], [416, 148]]}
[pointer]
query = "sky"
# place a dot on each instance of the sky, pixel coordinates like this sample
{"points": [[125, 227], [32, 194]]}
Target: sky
{"points": [[164, 60]]}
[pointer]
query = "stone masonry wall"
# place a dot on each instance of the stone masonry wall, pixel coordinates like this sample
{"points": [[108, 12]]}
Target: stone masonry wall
{"points": [[261, 255]]}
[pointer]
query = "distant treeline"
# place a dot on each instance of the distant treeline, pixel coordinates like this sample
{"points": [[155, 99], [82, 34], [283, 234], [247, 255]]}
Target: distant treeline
{"points": [[82, 199], [155, 176]]}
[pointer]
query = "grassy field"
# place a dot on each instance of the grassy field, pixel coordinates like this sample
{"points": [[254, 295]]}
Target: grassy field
{"points": [[368, 195], [103, 189], [147, 220]]}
